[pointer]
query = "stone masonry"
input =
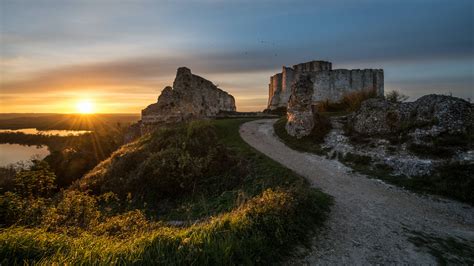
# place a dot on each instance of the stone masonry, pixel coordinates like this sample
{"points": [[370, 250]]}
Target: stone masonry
{"points": [[191, 97], [328, 84]]}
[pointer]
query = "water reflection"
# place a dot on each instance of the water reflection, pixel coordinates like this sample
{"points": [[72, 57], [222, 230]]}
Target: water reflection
{"points": [[13, 153], [34, 131]]}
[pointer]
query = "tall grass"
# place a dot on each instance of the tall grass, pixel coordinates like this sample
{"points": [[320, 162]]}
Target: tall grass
{"points": [[350, 101], [259, 231], [264, 219]]}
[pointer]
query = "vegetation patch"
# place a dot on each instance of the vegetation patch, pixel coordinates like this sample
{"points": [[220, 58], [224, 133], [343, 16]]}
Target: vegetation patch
{"points": [[453, 180], [182, 208], [350, 101], [446, 250], [72, 156], [310, 143], [430, 151], [280, 111]]}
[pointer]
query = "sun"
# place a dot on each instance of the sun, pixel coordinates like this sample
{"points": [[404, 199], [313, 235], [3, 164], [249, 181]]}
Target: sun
{"points": [[84, 107]]}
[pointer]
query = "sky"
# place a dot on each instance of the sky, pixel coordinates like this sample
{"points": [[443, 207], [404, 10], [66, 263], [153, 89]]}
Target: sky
{"points": [[120, 54]]}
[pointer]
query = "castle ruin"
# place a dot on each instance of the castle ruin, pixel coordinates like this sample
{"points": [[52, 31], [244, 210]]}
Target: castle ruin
{"points": [[328, 84], [191, 97]]}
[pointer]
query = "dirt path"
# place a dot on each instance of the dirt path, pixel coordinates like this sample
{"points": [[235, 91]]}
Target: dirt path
{"points": [[370, 222]]}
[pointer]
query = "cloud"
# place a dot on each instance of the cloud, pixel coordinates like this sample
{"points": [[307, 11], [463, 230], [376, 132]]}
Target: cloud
{"points": [[140, 71]]}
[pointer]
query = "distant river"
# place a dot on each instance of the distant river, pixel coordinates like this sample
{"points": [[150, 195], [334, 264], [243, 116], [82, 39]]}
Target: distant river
{"points": [[13, 153], [34, 131]]}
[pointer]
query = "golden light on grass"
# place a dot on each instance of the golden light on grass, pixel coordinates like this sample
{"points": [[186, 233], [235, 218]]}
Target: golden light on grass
{"points": [[85, 107]]}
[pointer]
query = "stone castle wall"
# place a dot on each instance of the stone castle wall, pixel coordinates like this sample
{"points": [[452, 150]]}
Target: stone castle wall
{"points": [[329, 84], [191, 97], [332, 85]]}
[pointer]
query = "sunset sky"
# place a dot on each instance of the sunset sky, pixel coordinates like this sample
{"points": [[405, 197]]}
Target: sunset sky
{"points": [[120, 54]]}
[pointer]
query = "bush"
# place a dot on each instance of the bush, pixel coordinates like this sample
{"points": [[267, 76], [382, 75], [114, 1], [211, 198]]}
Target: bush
{"points": [[123, 225], [310, 143], [430, 151], [321, 128], [15, 209], [395, 97], [350, 101], [280, 111], [262, 231], [35, 182], [28, 199], [75, 209], [357, 160], [254, 212], [172, 162], [7, 178]]}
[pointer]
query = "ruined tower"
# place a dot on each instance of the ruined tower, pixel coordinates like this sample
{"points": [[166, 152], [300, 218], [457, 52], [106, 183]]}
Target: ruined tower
{"points": [[329, 84]]}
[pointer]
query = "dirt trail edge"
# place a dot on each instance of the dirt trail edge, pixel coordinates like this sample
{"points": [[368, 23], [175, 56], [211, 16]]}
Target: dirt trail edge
{"points": [[371, 221]]}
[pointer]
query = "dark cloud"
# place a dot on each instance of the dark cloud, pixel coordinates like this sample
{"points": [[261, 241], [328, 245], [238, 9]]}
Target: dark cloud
{"points": [[153, 71]]}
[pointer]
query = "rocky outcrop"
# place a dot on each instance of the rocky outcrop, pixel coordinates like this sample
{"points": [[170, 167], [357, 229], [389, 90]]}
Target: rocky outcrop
{"points": [[328, 84], [410, 138], [300, 116], [430, 115], [191, 97]]}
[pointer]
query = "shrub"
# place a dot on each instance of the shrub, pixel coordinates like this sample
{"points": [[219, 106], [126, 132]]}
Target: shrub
{"points": [[310, 143], [328, 106], [353, 100], [280, 111], [262, 231], [7, 178], [259, 221], [172, 162], [123, 225], [35, 182], [430, 150], [395, 96], [15, 209], [350, 101], [75, 209], [321, 128], [357, 159]]}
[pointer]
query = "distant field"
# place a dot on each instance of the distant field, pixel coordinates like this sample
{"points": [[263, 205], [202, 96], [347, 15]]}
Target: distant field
{"points": [[65, 121]]}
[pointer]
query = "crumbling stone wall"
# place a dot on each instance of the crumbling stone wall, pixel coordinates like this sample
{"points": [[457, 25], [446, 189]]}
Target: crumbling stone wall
{"points": [[328, 84], [300, 117], [274, 90], [191, 97]]}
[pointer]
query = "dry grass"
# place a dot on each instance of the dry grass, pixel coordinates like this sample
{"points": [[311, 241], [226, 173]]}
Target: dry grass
{"points": [[350, 101]]}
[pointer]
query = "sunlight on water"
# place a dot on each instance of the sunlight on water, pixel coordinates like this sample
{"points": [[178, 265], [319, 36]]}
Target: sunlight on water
{"points": [[13, 153], [34, 131]]}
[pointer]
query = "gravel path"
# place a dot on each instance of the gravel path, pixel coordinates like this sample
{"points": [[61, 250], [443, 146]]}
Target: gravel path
{"points": [[371, 222]]}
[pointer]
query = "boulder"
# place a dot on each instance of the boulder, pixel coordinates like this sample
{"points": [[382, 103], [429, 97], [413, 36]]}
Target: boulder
{"points": [[300, 115], [191, 97], [430, 115]]}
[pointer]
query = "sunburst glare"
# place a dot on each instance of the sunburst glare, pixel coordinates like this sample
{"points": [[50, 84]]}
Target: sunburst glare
{"points": [[85, 107]]}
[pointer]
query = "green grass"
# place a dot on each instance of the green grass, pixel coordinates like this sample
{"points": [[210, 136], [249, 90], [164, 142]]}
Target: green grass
{"points": [[259, 220], [307, 144]]}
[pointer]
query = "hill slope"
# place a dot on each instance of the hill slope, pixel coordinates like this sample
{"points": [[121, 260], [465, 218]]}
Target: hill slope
{"points": [[187, 194]]}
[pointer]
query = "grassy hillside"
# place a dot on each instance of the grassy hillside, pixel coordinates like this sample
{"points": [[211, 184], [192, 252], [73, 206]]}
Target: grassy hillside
{"points": [[187, 194]]}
